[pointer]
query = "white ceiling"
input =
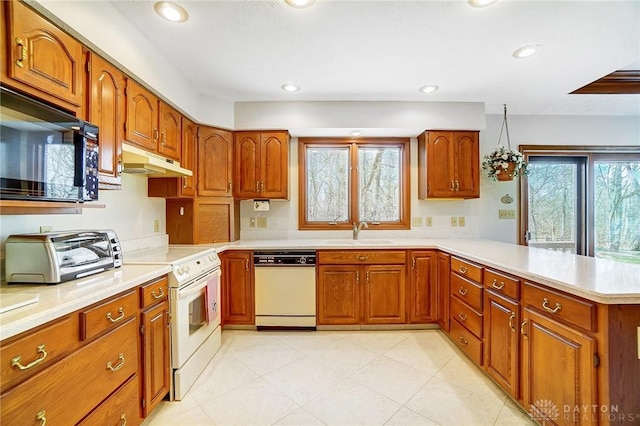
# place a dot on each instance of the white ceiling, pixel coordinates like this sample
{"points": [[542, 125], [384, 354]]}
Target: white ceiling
{"points": [[368, 50]]}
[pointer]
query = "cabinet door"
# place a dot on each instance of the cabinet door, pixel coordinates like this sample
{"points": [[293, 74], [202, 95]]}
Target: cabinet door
{"points": [[501, 321], [466, 152], [237, 299], [107, 110], [43, 59], [189, 159], [422, 290], [557, 371], [214, 220], [170, 124], [142, 117], [155, 360], [246, 156], [444, 274], [384, 295], [215, 156], [440, 170], [339, 293], [274, 165]]}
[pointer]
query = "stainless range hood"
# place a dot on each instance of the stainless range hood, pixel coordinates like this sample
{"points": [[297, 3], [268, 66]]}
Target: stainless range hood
{"points": [[139, 161]]}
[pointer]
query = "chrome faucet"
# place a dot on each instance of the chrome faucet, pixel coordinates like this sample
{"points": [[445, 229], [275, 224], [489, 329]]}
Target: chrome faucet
{"points": [[357, 228]]}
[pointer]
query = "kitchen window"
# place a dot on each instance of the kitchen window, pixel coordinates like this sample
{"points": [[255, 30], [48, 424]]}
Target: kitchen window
{"points": [[343, 181], [582, 200]]}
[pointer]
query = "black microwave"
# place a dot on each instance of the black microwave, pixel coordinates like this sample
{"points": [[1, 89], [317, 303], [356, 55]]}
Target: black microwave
{"points": [[45, 154]]}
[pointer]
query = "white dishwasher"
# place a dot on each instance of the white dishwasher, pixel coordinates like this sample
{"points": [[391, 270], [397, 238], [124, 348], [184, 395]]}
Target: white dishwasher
{"points": [[285, 289]]}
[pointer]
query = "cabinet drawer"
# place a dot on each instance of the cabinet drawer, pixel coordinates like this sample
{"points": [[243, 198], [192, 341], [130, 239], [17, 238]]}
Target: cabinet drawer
{"points": [[154, 292], [37, 350], [99, 318], [469, 292], [466, 341], [466, 316], [466, 269], [558, 305], [121, 407], [68, 390], [355, 257], [502, 284]]}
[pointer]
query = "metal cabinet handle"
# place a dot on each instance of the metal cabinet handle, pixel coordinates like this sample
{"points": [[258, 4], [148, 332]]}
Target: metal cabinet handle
{"points": [[362, 258], [229, 186], [462, 316], [545, 306], [463, 291], [41, 418], [155, 135], [123, 419], [246, 265], [168, 319], [457, 186], [184, 182], [261, 186], [257, 186], [357, 277], [413, 263], [497, 286], [118, 318], [159, 295], [522, 329], [111, 367], [163, 140], [367, 277], [463, 340], [453, 188], [463, 270], [23, 52], [511, 318], [15, 361]]}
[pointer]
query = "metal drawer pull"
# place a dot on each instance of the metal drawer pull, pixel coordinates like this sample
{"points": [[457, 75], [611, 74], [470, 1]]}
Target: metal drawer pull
{"points": [[362, 258], [463, 340], [41, 418], [453, 188], [511, 318], [184, 182], [119, 318], [522, 329], [495, 285], [545, 305], [159, 295], [463, 270], [123, 417], [463, 291], [111, 367], [23, 52], [15, 361], [457, 186], [462, 316]]}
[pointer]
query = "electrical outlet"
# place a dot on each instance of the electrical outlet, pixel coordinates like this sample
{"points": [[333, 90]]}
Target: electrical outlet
{"points": [[156, 225], [428, 221], [252, 222], [506, 214], [45, 228], [416, 221], [461, 221], [454, 221], [262, 222]]}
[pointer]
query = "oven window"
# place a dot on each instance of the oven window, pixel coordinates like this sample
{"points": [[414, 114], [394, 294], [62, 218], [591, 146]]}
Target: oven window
{"points": [[198, 313]]}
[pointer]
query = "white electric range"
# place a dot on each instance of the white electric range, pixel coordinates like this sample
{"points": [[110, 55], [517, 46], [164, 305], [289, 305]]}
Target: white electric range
{"points": [[194, 300]]}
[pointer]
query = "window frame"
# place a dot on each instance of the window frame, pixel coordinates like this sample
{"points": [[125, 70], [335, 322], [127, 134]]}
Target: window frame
{"points": [[585, 158], [354, 199]]}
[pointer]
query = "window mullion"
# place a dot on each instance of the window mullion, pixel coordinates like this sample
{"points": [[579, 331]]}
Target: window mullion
{"points": [[354, 184]]}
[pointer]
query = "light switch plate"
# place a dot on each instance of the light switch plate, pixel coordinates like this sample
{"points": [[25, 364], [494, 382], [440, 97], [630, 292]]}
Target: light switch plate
{"points": [[262, 222], [461, 221], [45, 228], [252, 222], [454, 221], [416, 221], [506, 214]]}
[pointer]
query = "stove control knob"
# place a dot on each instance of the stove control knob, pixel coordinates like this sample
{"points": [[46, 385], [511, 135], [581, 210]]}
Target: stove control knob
{"points": [[211, 257], [180, 270], [303, 260], [186, 268]]}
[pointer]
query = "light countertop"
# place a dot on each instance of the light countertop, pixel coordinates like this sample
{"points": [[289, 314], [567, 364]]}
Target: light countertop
{"points": [[57, 300]]}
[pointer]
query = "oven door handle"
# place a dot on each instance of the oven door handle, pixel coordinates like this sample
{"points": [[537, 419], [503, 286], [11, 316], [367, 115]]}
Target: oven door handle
{"points": [[197, 288]]}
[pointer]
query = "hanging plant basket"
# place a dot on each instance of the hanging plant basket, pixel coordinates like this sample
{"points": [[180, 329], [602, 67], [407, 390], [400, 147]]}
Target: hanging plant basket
{"points": [[504, 164]]}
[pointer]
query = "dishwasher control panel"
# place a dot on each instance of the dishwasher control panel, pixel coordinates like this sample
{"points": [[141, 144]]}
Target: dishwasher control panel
{"points": [[284, 258]]}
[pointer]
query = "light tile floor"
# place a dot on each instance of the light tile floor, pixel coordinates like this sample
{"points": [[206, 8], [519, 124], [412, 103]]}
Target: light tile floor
{"points": [[340, 378]]}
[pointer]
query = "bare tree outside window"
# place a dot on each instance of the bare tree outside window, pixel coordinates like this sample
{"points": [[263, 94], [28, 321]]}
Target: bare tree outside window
{"points": [[327, 184], [379, 184]]}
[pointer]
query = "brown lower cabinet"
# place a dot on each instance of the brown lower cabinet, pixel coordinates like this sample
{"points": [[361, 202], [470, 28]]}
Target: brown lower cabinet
{"points": [[423, 304], [237, 288]]}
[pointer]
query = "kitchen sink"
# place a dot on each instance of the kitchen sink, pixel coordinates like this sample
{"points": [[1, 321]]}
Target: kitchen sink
{"points": [[363, 242]]}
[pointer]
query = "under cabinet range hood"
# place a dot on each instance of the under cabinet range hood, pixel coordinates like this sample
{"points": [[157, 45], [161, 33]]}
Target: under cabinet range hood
{"points": [[139, 161]]}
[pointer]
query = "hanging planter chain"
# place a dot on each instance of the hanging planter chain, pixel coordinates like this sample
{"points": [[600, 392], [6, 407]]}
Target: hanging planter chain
{"points": [[505, 125]]}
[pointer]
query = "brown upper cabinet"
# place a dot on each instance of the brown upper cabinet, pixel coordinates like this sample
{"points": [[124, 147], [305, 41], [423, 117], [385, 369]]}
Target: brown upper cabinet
{"points": [[170, 122], [448, 164], [261, 164], [106, 109], [215, 160], [41, 59], [142, 117], [189, 157]]}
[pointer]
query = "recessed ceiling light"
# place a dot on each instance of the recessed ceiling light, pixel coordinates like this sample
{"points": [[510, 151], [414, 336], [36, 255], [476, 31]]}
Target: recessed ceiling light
{"points": [[355, 133], [429, 88], [527, 51], [300, 3], [171, 11], [290, 87], [481, 3]]}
